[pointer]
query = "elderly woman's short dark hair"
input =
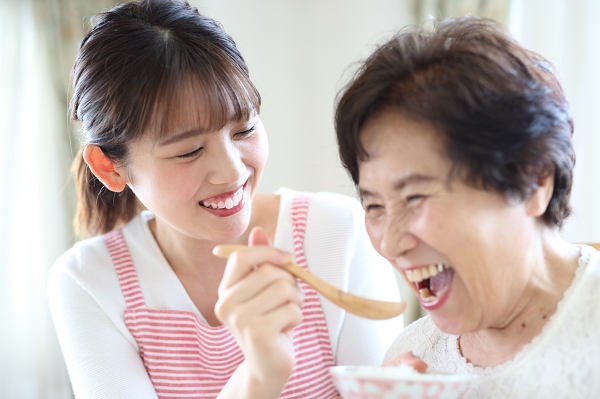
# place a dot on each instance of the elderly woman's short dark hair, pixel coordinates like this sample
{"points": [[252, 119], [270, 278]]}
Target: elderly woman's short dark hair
{"points": [[498, 107]]}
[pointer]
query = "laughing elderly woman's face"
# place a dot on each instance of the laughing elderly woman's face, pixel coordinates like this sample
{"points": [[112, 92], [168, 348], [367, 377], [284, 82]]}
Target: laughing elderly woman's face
{"points": [[456, 245]]}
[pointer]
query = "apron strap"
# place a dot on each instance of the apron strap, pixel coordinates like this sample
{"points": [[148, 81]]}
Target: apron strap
{"points": [[299, 212], [128, 279]]}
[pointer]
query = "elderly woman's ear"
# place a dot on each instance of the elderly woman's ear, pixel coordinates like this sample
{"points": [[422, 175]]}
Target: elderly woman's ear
{"points": [[537, 203]]}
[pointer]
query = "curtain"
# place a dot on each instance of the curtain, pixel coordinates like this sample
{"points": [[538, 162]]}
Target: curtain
{"points": [[37, 45], [34, 216], [495, 9], [566, 32]]}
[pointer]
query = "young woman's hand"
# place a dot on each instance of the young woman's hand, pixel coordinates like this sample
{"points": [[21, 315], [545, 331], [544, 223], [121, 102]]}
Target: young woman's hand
{"points": [[261, 303], [410, 359]]}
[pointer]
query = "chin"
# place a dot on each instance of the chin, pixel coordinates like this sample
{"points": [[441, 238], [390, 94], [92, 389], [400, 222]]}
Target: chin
{"points": [[229, 233], [449, 325], [233, 228]]}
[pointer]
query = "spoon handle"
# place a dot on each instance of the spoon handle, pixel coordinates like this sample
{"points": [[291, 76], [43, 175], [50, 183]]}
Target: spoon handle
{"points": [[363, 307]]}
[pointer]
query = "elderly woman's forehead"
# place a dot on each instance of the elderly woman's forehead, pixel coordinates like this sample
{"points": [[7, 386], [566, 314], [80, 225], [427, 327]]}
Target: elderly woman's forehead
{"points": [[392, 127]]}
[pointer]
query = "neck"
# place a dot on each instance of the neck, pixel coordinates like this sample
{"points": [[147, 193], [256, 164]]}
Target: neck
{"points": [[552, 269], [182, 252], [198, 270], [192, 255]]}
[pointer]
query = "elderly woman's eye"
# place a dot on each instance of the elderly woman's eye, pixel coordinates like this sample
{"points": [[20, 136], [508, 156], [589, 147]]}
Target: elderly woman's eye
{"points": [[414, 198], [372, 207]]}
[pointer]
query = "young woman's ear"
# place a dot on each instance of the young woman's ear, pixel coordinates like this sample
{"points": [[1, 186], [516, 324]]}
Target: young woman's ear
{"points": [[538, 202], [103, 168]]}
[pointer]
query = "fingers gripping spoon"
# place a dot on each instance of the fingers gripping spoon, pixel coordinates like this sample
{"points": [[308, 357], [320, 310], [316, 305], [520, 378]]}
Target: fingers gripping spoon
{"points": [[363, 307]]}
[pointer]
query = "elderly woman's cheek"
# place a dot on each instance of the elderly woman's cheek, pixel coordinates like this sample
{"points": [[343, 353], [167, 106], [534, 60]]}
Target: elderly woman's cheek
{"points": [[423, 221]]}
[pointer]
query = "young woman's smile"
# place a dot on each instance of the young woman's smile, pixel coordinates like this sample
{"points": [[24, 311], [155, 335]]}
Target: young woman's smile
{"points": [[226, 204]]}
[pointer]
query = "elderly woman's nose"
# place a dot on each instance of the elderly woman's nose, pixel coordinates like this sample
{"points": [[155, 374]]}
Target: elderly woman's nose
{"points": [[396, 239]]}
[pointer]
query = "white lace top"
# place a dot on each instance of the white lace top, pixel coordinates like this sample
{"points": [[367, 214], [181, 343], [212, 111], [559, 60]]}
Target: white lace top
{"points": [[563, 361]]}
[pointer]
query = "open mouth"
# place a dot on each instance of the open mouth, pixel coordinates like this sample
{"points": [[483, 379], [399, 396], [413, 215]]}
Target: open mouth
{"points": [[226, 201], [432, 282]]}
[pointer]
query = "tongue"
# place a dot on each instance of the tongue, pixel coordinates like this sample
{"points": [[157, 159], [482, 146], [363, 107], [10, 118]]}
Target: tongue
{"points": [[440, 281]]}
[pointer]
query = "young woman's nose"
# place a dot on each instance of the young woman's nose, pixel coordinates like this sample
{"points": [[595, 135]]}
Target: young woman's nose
{"points": [[226, 164], [396, 240]]}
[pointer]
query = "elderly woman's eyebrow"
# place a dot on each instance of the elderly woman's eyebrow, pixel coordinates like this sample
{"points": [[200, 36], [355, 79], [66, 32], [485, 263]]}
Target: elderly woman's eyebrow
{"points": [[411, 179], [401, 184]]}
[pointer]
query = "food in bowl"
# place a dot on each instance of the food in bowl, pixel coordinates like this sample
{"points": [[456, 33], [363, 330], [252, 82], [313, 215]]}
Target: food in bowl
{"points": [[399, 382]]}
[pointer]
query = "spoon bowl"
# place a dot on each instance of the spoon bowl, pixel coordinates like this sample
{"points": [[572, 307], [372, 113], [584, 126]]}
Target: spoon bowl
{"points": [[363, 307]]}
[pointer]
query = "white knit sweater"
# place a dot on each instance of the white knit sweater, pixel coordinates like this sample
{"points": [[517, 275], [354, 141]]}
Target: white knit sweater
{"points": [[561, 362], [87, 303]]}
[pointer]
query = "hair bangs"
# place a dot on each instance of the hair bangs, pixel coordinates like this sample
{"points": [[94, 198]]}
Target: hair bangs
{"points": [[204, 100]]}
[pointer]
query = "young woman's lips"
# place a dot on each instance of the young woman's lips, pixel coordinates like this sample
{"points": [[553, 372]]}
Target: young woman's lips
{"points": [[226, 204]]}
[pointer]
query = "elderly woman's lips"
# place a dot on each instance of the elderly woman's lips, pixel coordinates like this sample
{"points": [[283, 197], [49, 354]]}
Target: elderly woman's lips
{"points": [[431, 282]]}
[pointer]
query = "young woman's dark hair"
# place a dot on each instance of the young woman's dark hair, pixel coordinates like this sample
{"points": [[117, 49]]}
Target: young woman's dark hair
{"points": [[498, 106], [127, 81]]}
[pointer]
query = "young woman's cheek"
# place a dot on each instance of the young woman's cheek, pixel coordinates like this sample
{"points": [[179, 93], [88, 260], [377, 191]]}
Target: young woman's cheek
{"points": [[261, 148], [255, 152]]}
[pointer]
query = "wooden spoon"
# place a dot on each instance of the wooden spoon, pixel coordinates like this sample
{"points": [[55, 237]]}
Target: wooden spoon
{"points": [[363, 307]]}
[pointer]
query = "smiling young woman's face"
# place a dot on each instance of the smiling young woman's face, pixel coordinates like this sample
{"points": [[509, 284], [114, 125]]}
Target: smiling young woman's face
{"points": [[200, 182], [456, 245]]}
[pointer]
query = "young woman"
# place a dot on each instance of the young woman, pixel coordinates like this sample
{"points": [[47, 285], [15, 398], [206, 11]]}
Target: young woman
{"points": [[170, 123]]}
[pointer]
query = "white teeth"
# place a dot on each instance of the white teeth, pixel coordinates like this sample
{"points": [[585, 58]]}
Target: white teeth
{"points": [[228, 203], [433, 271], [419, 274], [425, 272]]}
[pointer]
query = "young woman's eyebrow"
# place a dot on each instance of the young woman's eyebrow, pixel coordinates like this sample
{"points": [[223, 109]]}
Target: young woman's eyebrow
{"points": [[182, 136]]}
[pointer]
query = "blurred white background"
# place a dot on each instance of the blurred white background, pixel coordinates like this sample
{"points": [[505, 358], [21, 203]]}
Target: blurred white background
{"points": [[300, 54]]}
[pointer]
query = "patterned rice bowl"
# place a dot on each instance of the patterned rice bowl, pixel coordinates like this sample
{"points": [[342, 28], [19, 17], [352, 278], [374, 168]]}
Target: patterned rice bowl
{"points": [[401, 382]]}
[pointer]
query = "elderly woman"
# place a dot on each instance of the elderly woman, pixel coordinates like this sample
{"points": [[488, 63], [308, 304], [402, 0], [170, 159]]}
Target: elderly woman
{"points": [[460, 143]]}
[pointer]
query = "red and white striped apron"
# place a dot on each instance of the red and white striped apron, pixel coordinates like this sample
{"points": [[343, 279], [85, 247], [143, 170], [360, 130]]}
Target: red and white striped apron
{"points": [[186, 358]]}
